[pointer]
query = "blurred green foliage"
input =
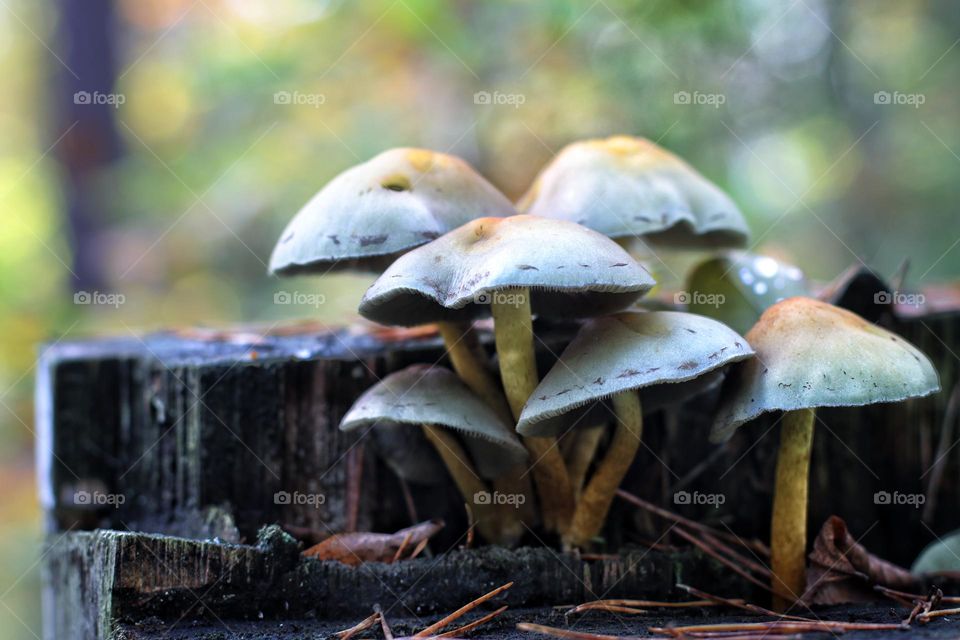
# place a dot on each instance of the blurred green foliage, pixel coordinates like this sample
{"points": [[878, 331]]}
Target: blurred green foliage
{"points": [[776, 101]]}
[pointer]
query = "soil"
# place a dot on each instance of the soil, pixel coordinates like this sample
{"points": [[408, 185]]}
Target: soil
{"points": [[504, 627]]}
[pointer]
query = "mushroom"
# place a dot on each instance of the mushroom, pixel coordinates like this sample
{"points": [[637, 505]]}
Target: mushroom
{"points": [[436, 400], [367, 216], [812, 354], [372, 213], [735, 288], [511, 268], [626, 187], [668, 355]]}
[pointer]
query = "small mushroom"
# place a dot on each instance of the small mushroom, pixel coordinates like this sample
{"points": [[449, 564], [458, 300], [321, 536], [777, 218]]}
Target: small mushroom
{"points": [[511, 268], [435, 399], [626, 187], [371, 213], [666, 354], [812, 354]]}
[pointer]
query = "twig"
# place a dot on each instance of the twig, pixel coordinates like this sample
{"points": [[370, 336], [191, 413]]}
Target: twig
{"points": [[603, 606], [652, 604], [419, 548], [471, 525], [733, 555], [363, 625], [384, 625], [777, 627], [912, 597], [740, 604], [723, 560], [568, 634], [939, 613], [462, 610], [757, 546], [467, 628], [402, 547]]}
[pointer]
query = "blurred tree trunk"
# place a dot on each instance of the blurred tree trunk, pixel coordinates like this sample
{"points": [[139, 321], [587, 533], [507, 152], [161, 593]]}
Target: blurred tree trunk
{"points": [[85, 44]]}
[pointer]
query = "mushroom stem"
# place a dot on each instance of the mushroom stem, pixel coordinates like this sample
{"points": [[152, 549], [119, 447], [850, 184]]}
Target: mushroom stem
{"points": [[788, 530], [598, 495], [581, 455], [459, 341], [513, 333], [467, 480]]}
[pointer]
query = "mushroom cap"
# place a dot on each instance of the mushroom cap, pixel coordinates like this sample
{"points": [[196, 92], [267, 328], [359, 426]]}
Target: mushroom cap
{"points": [[421, 394], [664, 352], [625, 186], [372, 212], [812, 354], [571, 271]]}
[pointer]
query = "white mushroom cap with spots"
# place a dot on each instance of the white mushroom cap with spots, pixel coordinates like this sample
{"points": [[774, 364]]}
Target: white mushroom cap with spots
{"points": [[570, 270], [665, 353], [624, 186], [812, 354], [421, 394], [372, 212]]}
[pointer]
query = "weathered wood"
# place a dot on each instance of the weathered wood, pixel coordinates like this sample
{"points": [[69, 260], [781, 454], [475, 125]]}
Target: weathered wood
{"points": [[199, 435], [104, 578]]}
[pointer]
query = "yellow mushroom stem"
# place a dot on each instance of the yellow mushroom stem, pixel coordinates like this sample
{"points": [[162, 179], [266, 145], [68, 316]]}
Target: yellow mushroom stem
{"points": [[462, 348], [788, 530], [581, 455], [594, 504], [513, 334], [467, 480]]}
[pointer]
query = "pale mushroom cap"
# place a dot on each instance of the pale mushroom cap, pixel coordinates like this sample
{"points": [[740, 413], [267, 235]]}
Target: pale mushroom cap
{"points": [[571, 271], [624, 186], [812, 354], [630, 351], [421, 394], [374, 211]]}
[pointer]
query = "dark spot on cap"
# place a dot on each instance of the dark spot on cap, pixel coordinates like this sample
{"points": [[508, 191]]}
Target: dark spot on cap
{"points": [[717, 215], [689, 364], [527, 267], [619, 264], [335, 239], [429, 235], [690, 330], [629, 373], [598, 381], [642, 218], [366, 241], [287, 238], [784, 385]]}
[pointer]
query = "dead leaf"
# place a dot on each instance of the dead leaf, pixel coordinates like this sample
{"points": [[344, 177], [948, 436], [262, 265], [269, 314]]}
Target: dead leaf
{"points": [[842, 570], [360, 547]]}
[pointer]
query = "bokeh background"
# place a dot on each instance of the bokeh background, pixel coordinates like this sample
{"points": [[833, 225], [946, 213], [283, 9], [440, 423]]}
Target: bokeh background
{"points": [[152, 197]]}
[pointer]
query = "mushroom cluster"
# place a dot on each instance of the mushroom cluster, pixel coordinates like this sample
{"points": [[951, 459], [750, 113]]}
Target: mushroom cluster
{"points": [[449, 249]]}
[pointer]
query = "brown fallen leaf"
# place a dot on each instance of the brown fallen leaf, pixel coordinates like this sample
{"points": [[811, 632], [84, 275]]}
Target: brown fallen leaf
{"points": [[842, 570], [360, 547]]}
